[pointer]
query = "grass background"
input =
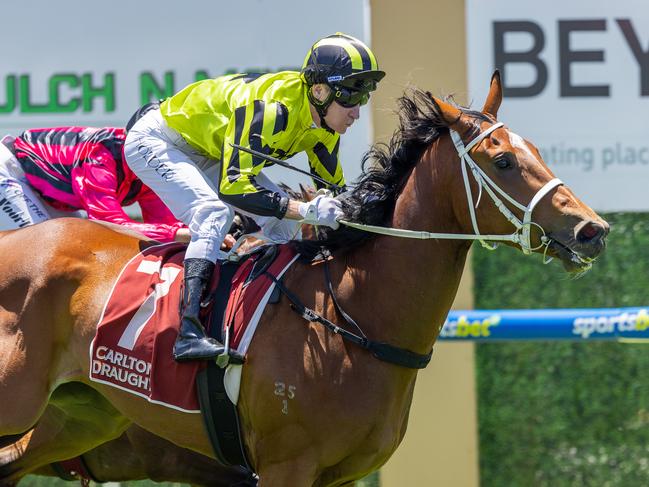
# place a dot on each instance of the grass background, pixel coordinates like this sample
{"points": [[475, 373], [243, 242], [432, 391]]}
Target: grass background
{"points": [[565, 413]]}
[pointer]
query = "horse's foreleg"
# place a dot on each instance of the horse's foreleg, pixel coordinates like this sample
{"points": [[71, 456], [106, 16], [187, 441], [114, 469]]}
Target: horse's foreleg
{"points": [[10, 439], [76, 420], [23, 378], [10, 454]]}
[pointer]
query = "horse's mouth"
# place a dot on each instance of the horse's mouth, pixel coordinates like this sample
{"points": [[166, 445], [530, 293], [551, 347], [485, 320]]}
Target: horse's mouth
{"points": [[573, 261]]}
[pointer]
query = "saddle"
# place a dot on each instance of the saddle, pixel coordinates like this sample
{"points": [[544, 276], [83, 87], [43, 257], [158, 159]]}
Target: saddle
{"points": [[139, 324], [219, 294]]}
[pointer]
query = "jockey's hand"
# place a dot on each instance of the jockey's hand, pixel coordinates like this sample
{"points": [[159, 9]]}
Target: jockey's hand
{"points": [[182, 235], [321, 210], [228, 242]]}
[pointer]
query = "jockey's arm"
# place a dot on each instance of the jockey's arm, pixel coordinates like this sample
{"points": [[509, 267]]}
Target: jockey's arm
{"points": [[96, 186], [238, 185]]}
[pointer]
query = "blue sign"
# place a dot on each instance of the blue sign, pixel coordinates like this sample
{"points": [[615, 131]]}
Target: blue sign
{"points": [[547, 324]]}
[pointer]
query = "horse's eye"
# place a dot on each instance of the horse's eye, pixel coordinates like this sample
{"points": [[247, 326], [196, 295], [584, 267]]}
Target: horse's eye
{"points": [[503, 162]]}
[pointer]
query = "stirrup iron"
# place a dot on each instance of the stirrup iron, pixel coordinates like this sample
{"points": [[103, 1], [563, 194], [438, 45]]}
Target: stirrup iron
{"points": [[223, 360]]}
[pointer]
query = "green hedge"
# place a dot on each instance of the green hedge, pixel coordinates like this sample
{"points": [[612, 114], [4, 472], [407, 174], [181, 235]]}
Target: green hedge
{"points": [[563, 413]]}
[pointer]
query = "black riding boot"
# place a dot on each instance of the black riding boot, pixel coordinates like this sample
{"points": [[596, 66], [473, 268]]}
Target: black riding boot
{"points": [[192, 342]]}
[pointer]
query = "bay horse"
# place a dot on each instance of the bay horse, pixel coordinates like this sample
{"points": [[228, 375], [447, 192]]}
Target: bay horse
{"points": [[348, 411]]}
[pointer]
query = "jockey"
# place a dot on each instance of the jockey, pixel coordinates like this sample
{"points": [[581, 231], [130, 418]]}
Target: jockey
{"points": [[182, 150], [45, 173]]}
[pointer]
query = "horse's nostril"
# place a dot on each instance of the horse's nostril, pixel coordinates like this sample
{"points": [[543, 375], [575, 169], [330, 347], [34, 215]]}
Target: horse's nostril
{"points": [[589, 232]]}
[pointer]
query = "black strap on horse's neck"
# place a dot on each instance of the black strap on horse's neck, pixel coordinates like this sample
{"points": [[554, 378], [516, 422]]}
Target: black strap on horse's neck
{"points": [[382, 351], [347, 318]]}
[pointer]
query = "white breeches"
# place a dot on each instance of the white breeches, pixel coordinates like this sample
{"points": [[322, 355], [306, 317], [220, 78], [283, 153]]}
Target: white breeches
{"points": [[186, 181]]}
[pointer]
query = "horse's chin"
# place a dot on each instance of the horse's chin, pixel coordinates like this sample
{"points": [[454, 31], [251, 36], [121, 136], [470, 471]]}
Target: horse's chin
{"points": [[573, 262]]}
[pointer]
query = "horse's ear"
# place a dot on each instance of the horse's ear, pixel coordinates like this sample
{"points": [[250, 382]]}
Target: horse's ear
{"points": [[450, 114], [495, 96]]}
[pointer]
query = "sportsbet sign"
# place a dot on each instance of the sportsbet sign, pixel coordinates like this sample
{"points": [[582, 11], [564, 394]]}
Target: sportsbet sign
{"points": [[548, 324], [576, 81]]}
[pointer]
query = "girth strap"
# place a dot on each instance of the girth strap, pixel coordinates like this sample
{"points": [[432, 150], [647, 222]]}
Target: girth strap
{"points": [[220, 416]]}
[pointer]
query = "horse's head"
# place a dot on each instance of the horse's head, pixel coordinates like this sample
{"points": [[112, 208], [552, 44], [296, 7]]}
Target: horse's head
{"points": [[513, 189]]}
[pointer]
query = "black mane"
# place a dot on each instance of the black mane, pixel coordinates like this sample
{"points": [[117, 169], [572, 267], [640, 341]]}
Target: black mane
{"points": [[384, 171]]}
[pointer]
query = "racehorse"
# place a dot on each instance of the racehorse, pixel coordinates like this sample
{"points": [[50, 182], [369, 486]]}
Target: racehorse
{"points": [[315, 408]]}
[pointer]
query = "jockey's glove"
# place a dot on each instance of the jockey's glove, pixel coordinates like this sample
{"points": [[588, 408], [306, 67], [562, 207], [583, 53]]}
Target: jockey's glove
{"points": [[321, 210]]}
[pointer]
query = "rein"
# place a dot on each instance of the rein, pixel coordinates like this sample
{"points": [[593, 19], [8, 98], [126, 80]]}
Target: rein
{"points": [[520, 236]]}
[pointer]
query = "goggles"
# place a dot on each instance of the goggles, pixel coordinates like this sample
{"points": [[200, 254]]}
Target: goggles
{"points": [[349, 98]]}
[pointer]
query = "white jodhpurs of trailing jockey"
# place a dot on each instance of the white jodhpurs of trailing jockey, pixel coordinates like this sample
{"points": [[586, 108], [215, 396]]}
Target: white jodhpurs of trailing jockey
{"points": [[20, 205]]}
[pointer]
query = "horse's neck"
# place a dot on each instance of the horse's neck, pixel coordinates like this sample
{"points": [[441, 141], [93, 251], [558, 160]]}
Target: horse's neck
{"points": [[412, 283]]}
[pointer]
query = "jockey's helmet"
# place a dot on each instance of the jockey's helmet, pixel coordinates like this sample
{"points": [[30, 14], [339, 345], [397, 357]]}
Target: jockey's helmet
{"points": [[346, 65]]}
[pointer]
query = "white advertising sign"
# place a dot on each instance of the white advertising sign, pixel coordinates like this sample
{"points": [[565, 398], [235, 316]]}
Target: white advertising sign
{"points": [[75, 62], [576, 83]]}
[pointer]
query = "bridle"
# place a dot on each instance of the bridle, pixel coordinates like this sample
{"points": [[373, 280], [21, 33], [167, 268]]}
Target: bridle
{"points": [[521, 236]]}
